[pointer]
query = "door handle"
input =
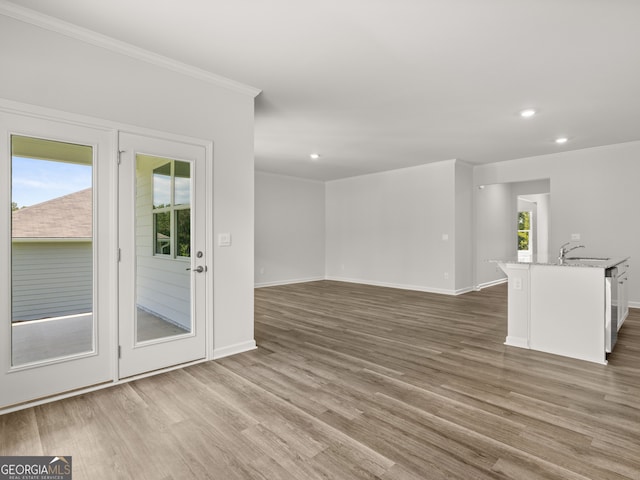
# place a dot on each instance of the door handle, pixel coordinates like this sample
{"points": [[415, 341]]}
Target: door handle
{"points": [[198, 269]]}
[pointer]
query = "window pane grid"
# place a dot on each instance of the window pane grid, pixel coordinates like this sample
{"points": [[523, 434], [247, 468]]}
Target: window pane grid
{"points": [[172, 209]]}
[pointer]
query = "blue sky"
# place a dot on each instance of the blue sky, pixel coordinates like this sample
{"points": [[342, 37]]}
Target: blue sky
{"points": [[36, 181]]}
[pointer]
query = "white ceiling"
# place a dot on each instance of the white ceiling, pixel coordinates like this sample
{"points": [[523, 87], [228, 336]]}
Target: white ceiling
{"points": [[375, 85]]}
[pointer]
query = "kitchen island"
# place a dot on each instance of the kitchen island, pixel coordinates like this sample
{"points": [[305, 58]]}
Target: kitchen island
{"points": [[567, 307]]}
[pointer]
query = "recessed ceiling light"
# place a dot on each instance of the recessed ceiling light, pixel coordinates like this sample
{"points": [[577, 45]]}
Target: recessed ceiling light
{"points": [[315, 156], [561, 140], [529, 112]]}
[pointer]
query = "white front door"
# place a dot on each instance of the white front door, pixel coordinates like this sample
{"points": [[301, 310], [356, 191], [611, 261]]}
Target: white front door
{"points": [[57, 264], [163, 258]]}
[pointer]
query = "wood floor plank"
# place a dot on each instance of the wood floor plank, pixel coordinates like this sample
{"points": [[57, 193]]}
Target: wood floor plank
{"points": [[359, 382], [20, 435]]}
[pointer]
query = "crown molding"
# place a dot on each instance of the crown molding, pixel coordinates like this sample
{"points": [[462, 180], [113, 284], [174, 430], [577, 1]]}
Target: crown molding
{"points": [[79, 33]]}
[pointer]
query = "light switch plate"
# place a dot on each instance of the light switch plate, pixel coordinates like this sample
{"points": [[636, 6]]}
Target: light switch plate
{"points": [[224, 240]]}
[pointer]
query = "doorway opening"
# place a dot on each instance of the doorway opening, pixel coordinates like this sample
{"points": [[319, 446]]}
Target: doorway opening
{"points": [[532, 226]]}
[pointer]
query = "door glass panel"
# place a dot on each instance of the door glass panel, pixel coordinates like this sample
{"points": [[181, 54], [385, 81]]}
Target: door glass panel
{"points": [[162, 185], [51, 250], [183, 183], [162, 222], [183, 231], [163, 248]]}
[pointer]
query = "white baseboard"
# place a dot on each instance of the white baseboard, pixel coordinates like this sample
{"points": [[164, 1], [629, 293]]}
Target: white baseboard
{"points": [[634, 304], [234, 349], [493, 283], [402, 286], [519, 342], [287, 282], [462, 291]]}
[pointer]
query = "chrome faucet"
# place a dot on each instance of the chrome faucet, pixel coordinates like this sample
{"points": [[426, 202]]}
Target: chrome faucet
{"points": [[563, 251]]}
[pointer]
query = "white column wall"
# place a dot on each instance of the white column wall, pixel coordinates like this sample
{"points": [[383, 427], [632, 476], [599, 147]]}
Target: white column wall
{"points": [[495, 231], [289, 230], [464, 231]]}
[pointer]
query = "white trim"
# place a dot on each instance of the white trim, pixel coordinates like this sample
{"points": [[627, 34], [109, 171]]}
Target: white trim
{"points": [[281, 175], [417, 288], [462, 291], [517, 342], [288, 282], [113, 240], [234, 349], [211, 258], [96, 123], [79, 33], [43, 113], [373, 174], [111, 127], [634, 304], [492, 283], [82, 391]]}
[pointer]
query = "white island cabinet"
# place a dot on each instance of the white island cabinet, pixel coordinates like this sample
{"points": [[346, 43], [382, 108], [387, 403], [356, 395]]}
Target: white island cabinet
{"points": [[562, 307]]}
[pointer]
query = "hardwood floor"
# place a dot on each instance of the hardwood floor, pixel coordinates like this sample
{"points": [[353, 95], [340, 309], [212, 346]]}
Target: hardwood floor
{"points": [[359, 382]]}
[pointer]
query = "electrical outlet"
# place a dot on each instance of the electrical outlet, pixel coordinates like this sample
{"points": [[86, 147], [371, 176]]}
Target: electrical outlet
{"points": [[446, 275], [575, 236], [517, 284]]}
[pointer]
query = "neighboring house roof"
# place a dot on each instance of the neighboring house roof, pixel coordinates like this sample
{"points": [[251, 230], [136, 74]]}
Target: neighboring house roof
{"points": [[69, 216]]}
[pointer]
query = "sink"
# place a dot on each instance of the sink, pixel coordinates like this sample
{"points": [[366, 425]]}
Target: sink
{"points": [[588, 259]]}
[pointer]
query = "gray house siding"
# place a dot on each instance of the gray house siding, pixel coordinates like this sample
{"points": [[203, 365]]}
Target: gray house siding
{"points": [[51, 279]]}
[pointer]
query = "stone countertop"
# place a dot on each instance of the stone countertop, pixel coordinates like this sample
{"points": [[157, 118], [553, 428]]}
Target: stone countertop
{"points": [[588, 261]]}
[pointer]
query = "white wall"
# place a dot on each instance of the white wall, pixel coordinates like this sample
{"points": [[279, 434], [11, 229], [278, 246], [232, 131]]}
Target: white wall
{"points": [[387, 228], [593, 192], [289, 229], [52, 70]]}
